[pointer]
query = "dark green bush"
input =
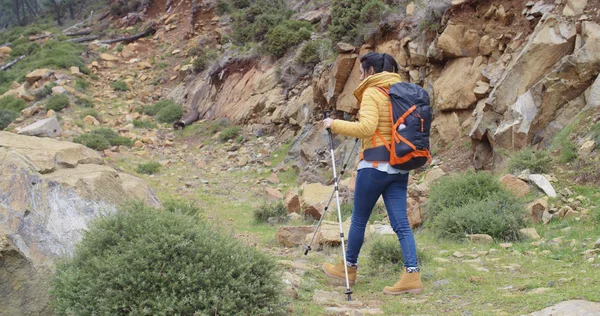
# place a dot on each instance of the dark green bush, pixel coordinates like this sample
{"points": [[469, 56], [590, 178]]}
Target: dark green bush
{"points": [[93, 141], [203, 59], [119, 86], [309, 54], [148, 168], [112, 137], [373, 11], [12, 104], [217, 125], [144, 261], [223, 7], [277, 211], [499, 215], [58, 102], [285, 35], [26, 48], [536, 161], [84, 102], [461, 189], [345, 17], [153, 110], [6, 117], [385, 250], [170, 113], [229, 133], [44, 91], [253, 22], [144, 124]]}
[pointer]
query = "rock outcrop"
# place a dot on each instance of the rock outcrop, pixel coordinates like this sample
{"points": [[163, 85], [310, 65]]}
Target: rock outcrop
{"points": [[49, 192]]}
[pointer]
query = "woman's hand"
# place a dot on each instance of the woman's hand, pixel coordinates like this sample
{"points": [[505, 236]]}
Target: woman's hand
{"points": [[327, 122]]}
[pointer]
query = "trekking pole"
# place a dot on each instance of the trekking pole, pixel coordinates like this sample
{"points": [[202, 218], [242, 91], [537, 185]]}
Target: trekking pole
{"points": [[308, 248], [337, 200]]}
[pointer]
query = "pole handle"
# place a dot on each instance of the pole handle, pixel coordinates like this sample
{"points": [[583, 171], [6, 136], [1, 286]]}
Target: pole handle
{"points": [[327, 114]]}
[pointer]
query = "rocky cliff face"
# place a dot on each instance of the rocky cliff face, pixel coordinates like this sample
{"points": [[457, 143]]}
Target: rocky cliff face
{"points": [[49, 191], [508, 73]]}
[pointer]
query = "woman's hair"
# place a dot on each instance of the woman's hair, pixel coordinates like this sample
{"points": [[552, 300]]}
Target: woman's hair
{"points": [[379, 62]]}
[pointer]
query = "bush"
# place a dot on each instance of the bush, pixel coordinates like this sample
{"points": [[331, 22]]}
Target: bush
{"points": [[461, 189], [345, 15], [309, 54], [153, 110], [373, 11], [188, 208], [216, 126], [253, 23], [81, 84], [229, 133], [170, 113], [144, 124], [266, 211], [45, 91], [203, 59], [57, 102], [89, 112], [536, 161], [385, 250], [184, 267], [223, 7], [288, 34], [6, 117], [112, 137], [11, 103], [499, 215], [119, 86], [93, 141], [148, 168], [84, 102]]}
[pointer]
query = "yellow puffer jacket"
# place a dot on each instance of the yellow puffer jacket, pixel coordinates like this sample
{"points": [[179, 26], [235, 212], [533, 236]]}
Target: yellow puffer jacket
{"points": [[374, 112]]}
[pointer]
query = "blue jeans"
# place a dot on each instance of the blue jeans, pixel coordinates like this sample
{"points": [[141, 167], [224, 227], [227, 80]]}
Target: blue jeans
{"points": [[370, 185]]}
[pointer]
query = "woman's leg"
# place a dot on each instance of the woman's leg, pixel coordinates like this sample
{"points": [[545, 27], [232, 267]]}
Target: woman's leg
{"points": [[370, 183], [394, 197]]}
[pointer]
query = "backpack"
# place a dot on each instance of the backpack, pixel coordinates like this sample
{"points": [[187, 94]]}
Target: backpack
{"points": [[411, 121]]}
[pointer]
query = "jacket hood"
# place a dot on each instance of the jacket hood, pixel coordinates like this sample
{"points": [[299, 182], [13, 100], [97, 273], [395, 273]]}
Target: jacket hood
{"points": [[383, 79]]}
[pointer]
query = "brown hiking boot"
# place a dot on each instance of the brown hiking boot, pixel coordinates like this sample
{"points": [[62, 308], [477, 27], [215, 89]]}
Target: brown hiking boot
{"points": [[409, 283], [337, 272]]}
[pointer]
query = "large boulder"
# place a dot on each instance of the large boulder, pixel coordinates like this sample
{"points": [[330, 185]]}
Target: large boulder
{"points": [[458, 41], [314, 199], [551, 40], [38, 74], [454, 88], [344, 64], [347, 101], [292, 236], [49, 192], [43, 128], [526, 119], [574, 7]]}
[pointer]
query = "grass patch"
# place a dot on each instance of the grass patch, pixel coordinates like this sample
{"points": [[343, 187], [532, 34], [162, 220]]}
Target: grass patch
{"points": [[84, 102], [58, 102], [90, 112], [144, 124], [229, 133], [276, 211], [119, 86], [93, 141], [170, 113], [563, 143], [112, 137], [44, 91], [150, 168], [7, 117], [82, 84], [386, 251], [536, 161]]}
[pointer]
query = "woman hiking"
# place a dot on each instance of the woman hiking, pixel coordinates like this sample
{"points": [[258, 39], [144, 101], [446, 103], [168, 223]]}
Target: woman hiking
{"points": [[376, 178]]}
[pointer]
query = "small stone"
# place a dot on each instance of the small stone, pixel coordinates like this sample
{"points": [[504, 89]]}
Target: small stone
{"points": [[90, 120], [273, 194], [597, 244], [273, 179], [108, 57], [587, 148], [475, 279], [531, 233], [480, 238], [547, 217], [345, 48], [138, 144], [50, 113], [566, 229], [505, 245], [440, 283], [75, 70], [58, 90], [542, 182], [458, 254]]}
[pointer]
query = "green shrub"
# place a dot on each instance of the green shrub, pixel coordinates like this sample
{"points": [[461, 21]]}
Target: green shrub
{"points": [[345, 15], [223, 7], [112, 137], [90, 112], [188, 208], [460, 189], [82, 84], [217, 125], [12, 104], [536, 161], [309, 54], [58, 102], [285, 35], [203, 59], [373, 11], [44, 91], [499, 215], [27, 48], [120, 47], [84, 102], [119, 86], [252, 23], [93, 141], [266, 211], [170, 113], [148, 168], [7, 117], [229, 133], [143, 261], [385, 250], [157, 107], [596, 134], [144, 124]]}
